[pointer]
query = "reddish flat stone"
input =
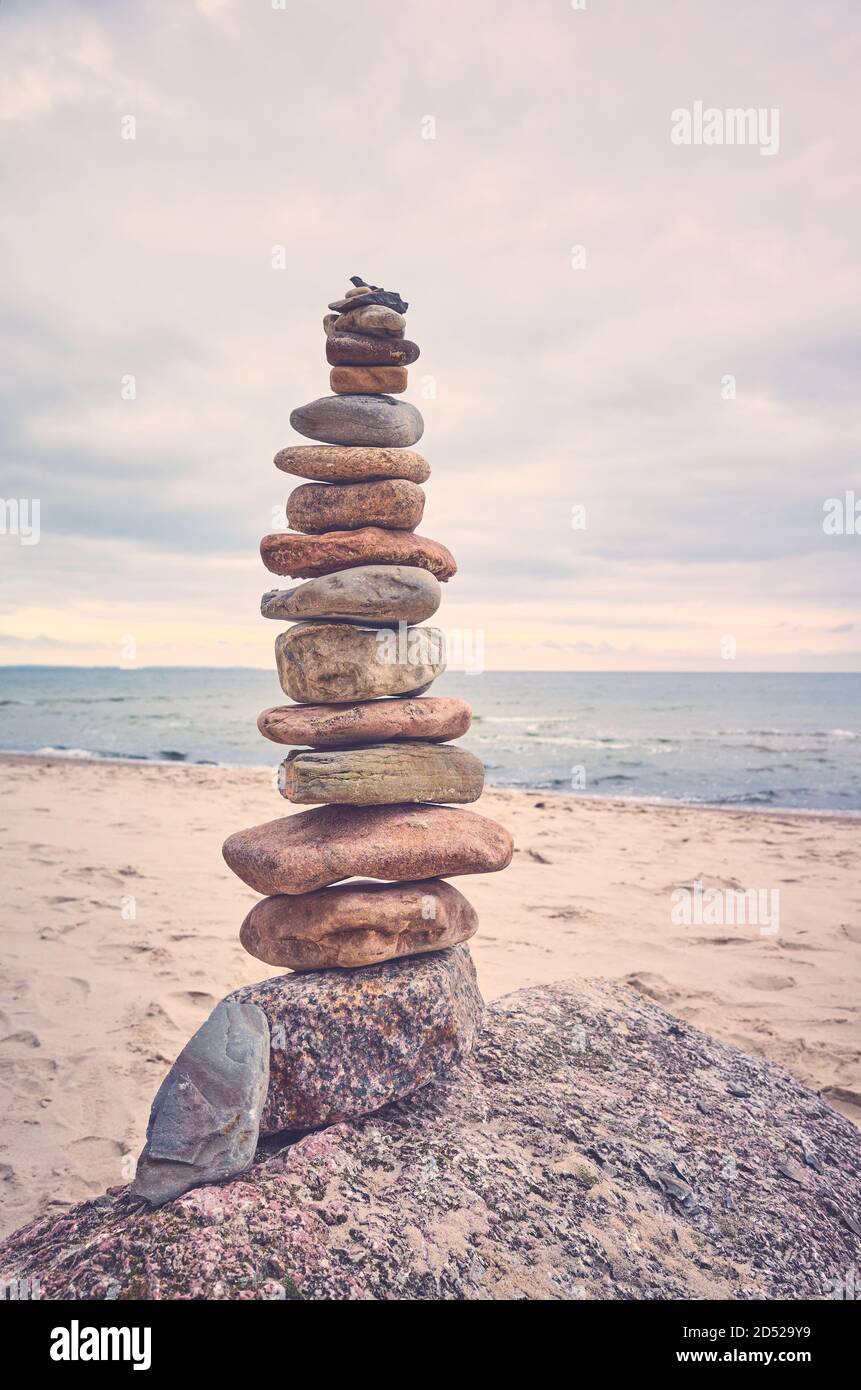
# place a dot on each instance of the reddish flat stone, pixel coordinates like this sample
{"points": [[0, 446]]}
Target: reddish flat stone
{"points": [[307, 556], [312, 849], [376, 721], [319, 507], [357, 924], [361, 350]]}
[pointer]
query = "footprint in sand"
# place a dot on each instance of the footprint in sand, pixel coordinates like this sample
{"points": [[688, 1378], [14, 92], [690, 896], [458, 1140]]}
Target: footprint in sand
{"points": [[23, 1042], [653, 986], [197, 998], [94, 1153], [767, 982], [54, 994]]}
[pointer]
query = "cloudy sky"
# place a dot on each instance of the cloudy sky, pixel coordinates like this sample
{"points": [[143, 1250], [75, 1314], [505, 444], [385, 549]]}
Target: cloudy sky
{"points": [[546, 384]]}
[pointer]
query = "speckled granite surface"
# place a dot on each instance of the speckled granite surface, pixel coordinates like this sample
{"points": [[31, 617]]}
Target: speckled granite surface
{"points": [[343, 1043], [593, 1146]]}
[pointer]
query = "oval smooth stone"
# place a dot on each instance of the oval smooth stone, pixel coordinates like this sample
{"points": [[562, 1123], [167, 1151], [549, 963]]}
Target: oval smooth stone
{"points": [[368, 593], [393, 502], [431, 717], [368, 380], [357, 924], [364, 350], [381, 775], [359, 420], [331, 463], [312, 849], [336, 663], [304, 557], [374, 319]]}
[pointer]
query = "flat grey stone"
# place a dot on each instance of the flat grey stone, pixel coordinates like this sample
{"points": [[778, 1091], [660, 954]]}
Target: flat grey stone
{"points": [[381, 775], [369, 593], [358, 419]]}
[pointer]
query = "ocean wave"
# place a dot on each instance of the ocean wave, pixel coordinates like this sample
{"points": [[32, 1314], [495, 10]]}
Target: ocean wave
{"points": [[765, 797], [60, 750], [775, 733]]}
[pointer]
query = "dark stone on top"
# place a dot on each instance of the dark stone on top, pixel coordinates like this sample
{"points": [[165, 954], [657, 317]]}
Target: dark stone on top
{"points": [[390, 298]]}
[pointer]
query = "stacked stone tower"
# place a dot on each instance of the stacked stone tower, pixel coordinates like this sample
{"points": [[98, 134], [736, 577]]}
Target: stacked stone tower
{"points": [[375, 754], [382, 997]]}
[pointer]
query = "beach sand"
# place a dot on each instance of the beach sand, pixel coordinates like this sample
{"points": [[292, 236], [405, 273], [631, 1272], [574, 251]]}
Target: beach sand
{"points": [[120, 921]]}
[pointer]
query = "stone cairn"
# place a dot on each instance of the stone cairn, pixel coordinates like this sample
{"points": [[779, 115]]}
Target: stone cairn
{"points": [[384, 996]]}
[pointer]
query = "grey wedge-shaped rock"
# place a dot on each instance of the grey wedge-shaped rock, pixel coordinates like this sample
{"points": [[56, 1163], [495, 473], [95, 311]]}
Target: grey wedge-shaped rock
{"points": [[359, 419], [357, 924], [336, 663], [367, 594], [382, 775], [205, 1118], [392, 502]]}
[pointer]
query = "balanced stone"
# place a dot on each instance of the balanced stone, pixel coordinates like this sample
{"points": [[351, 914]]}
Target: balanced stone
{"points": [[368, 593], [359, 420], [341, 662], [382, 775], [374, 319], [364, 350], [353, 380], [345, 1043], [311, 849], [330, 463], [314, 507], [205, 1118], [329, 321], [309, 556], [370, 294], [362, 292], [433, 717], [335, 463], [357, 924]]}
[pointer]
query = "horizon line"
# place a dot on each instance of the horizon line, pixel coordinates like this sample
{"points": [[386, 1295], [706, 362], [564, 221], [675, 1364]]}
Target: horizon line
{"points": [[500, 671]]}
